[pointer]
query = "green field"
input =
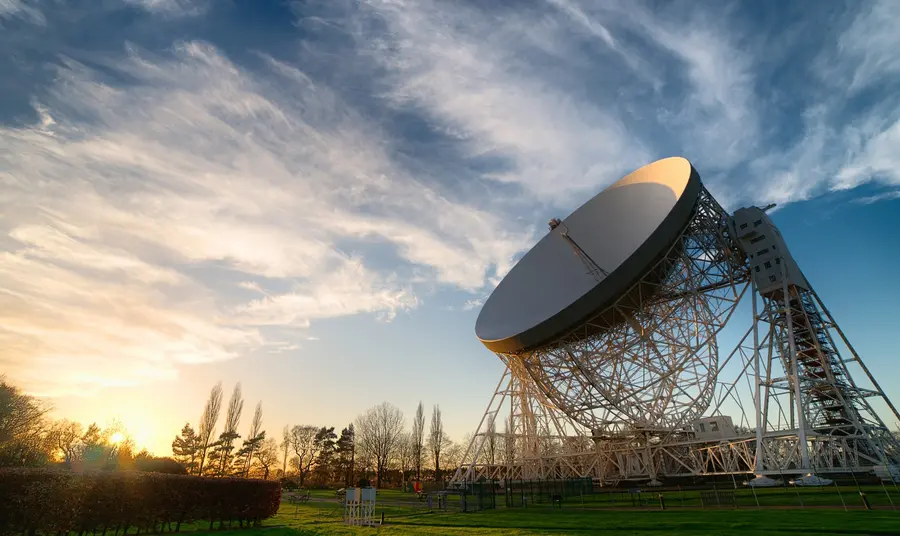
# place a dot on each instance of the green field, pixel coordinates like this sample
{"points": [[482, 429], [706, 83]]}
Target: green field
{"points": [[598, 515]]}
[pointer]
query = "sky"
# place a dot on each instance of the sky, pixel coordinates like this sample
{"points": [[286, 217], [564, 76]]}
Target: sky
{"points": [[315, 197]]}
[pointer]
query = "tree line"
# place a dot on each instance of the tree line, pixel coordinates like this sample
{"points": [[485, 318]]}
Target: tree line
{"points": [[376, 446], [202, 452], [30, 438], [379, 445]]}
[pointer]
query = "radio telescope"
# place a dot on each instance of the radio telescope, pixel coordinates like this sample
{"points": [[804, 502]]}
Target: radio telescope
{"points": [[608, 328]]}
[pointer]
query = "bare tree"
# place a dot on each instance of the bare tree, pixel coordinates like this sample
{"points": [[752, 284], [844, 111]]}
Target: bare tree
{"points": [[65, 436], [232, 419], [418, 439], [436, 439], [303, 441], [285, 445], [508, 450], [378, 432], [267, 456], [492, 440], [208, 421], [23, 427], [404, 454], [453, 452], [254, 438]]}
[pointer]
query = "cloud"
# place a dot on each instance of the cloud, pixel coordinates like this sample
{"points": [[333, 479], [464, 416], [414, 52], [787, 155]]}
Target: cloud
{"points": [[464, 69], [21, 9], [869, 46], [717, 106], [886, 196], [845, 139], [173, 8], [877, 159], [347, 289], [118, 197], [170, 205]]}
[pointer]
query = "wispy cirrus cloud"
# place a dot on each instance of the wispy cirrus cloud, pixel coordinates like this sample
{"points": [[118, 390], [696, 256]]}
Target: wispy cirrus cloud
{"points": [[171, 200], [173, 8], [846, 138], [114, 198], [465, 69], [22, 9]]}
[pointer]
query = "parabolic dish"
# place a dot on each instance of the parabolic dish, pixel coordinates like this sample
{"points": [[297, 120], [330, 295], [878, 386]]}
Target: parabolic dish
{"points": [[623, 229]]}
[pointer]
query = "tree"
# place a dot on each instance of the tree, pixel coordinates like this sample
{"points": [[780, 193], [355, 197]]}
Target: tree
{"points": [[378, 432], [303, 441], [405, 454], [285, 445], [254, 439], [346, 454], [492, 440], [436, 439], [453, 452], [22, 428], [508, 445], [325, 445], [267, 456], [147, 463], [229, 435], [418, 439], [65, 437], [186, 447], [99, 448], [208, 421]]}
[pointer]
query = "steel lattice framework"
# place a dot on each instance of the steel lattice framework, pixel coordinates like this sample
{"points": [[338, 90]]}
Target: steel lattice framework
{"points": [[615, 399], [652, 364]]}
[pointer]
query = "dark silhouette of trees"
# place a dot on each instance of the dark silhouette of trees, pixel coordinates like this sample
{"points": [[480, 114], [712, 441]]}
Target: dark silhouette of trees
{"points": [[226, 440], [325, 446], [22, 428], [267, 456], [148, 463], [186, 449], [346, 454], [65, 438], [208, 421], [303, 442], [253, 441]]}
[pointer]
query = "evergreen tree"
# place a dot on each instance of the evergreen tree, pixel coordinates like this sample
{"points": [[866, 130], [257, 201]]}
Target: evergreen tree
{"points": [[249, 449], [325, 445], [186, 449], [222, 453], [214, 459], [345, 450], [253, 441]]}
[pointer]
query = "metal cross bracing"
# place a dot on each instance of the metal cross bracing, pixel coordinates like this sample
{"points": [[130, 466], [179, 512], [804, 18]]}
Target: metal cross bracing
{"points": [[842, 430], [650, 365], [614, 400]]}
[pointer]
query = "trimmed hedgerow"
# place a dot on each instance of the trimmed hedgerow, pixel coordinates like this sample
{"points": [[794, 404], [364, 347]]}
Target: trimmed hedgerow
{"points": [[43, 501]]}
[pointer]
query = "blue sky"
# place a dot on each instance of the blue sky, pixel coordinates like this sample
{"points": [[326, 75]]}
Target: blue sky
{"points": [[314, 197]]}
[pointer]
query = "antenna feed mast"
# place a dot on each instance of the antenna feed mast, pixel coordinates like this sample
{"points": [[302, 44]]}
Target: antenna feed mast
{"points": [[593, 268]]}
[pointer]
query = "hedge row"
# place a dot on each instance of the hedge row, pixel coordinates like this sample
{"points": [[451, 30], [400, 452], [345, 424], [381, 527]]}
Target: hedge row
{"points": [[43, 501]]}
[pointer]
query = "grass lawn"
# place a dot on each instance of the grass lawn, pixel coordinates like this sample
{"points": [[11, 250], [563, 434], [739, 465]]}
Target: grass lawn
{"points": [[403, 515]]}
